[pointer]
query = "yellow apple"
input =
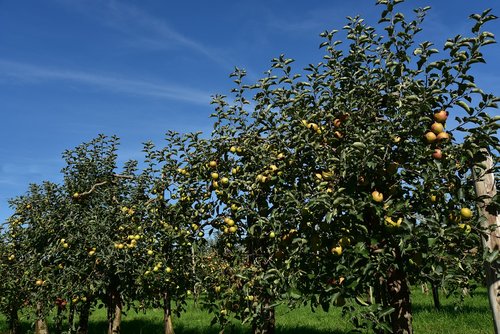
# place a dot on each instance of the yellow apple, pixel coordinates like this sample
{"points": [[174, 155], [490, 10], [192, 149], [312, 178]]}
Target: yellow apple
{"points": [[377, 196], [337, 250], [430, 137], [437, 127], [443, 136], [466, 213]]}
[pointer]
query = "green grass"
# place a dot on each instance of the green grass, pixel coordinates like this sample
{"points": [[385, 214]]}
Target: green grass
{"points": [[471, 317]]}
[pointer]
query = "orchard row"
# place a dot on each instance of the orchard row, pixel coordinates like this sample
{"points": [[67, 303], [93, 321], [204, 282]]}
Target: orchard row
{"points": [[338, 186]]}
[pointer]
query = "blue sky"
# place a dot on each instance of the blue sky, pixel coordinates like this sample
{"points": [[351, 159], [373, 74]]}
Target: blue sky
{"points": [[71, 69]]}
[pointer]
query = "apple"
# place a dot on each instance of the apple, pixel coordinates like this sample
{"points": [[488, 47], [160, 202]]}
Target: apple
{"points": [[39, 282], [229, 221], [233, 229], [76, 195], [313, 126], [437, 127], [272, 235], [214, 175], [234, 207], [217, 289], [396, 139], [65, 245], [433, 198], [212, 164], [168, 270], [377, 196], [233, 149], [441, 116], [466, 213], [150, 252], [465, 227], [337, 250], [443, 136], [224, 181], [437, 154], [280, 156], [430, 137]]}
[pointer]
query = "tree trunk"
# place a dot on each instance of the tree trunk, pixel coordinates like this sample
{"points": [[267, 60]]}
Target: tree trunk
{"points": [[114, 313], [269, 322], [435, 296], [40, 323], [14, 327], [167, 314], [485, 191], [58, 320], [83, 322], [399, 299], [71, 318]]}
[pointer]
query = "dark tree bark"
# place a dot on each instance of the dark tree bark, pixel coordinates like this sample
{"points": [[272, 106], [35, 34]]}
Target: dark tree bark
{"points": [[399, 299], [435, 296], [83, 322], [14, 327]]}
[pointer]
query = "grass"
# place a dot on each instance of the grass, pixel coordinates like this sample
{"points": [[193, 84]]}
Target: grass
{"points": [[471, 317]]}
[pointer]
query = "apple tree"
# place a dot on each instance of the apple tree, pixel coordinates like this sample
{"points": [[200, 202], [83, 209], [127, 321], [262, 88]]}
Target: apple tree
{"points": [[172, 217], [360, 167]]}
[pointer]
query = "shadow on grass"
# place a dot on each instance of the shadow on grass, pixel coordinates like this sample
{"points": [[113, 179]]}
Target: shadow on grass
{"points": [[147, 327]]}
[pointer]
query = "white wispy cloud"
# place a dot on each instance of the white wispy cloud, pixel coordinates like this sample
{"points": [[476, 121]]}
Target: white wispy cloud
{"points": [[29, 73], [144, 29]]}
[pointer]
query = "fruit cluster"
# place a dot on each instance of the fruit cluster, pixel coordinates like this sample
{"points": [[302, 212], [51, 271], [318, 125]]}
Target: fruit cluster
{"points": [[437, 133]]}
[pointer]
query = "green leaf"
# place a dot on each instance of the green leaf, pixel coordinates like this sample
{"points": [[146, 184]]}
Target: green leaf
{"points": [[465, 106]]}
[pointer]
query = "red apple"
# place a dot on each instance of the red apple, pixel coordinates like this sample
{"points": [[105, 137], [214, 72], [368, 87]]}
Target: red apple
{"points": [[437, 154], [441, 116]]}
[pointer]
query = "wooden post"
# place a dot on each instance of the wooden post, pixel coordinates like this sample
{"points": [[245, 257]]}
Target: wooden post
{"points": [[484, 180]]}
